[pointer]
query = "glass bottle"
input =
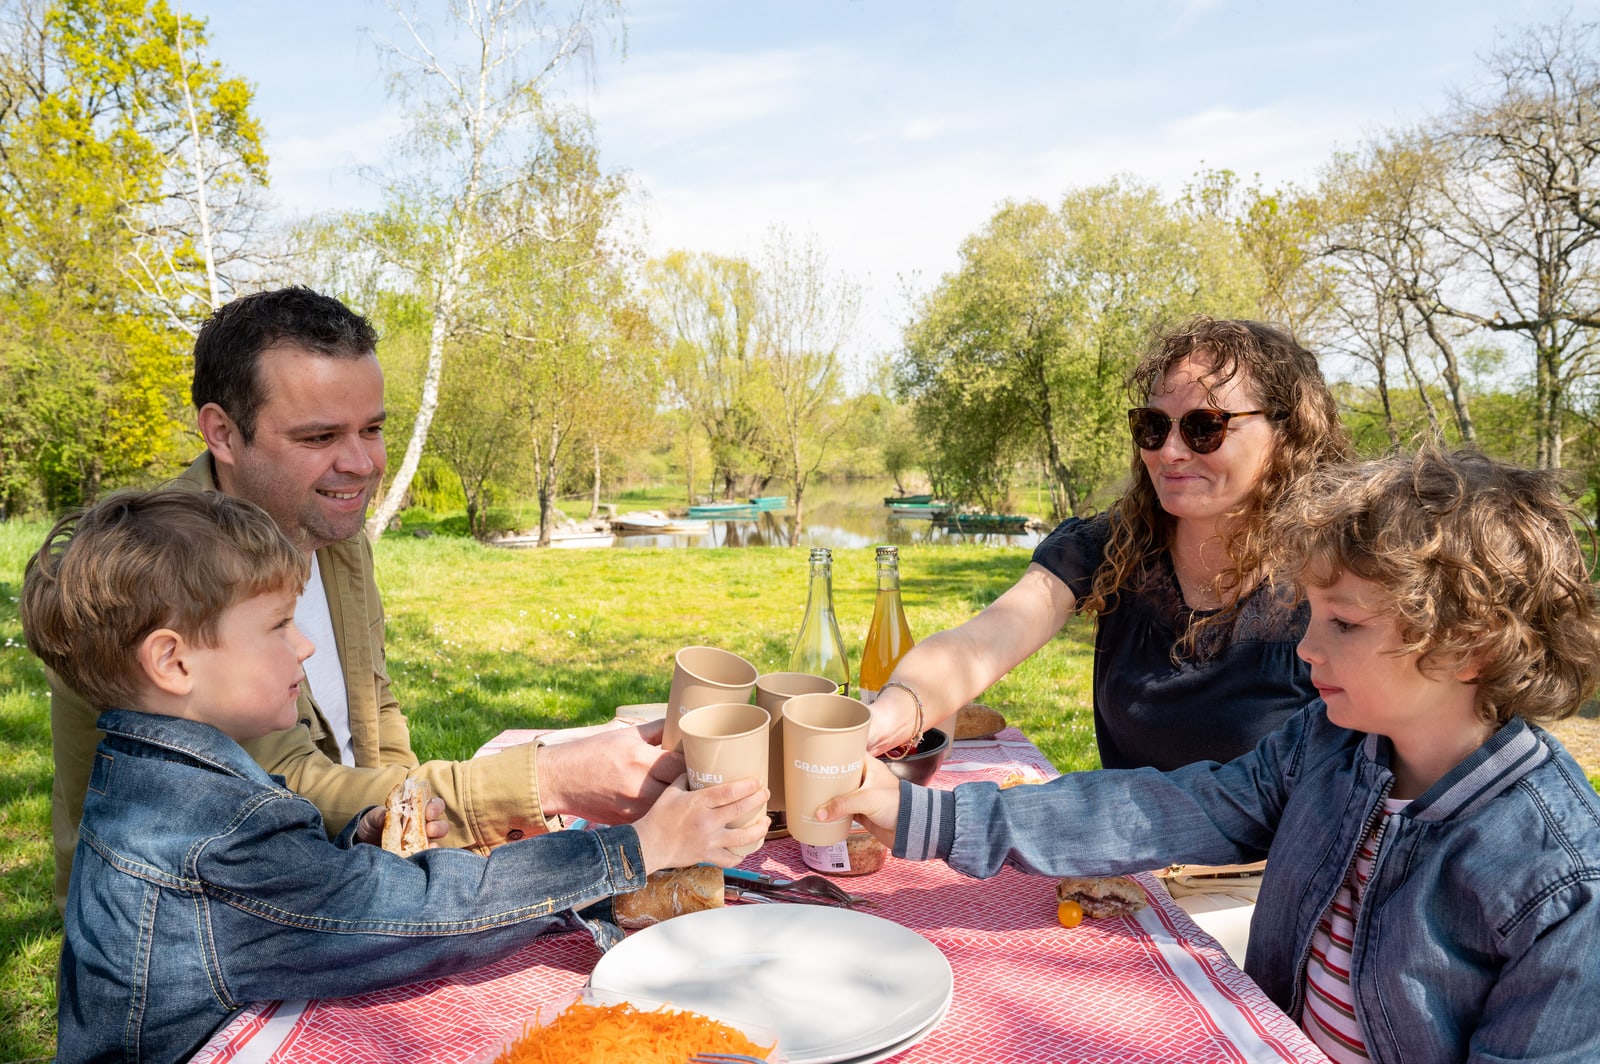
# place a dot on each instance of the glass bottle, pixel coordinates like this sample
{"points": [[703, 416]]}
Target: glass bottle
{"points": [[888, 636], [819, 649]]}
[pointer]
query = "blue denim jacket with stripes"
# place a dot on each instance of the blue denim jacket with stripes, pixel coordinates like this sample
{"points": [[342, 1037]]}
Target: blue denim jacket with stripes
{"points": [[1479, 935]]}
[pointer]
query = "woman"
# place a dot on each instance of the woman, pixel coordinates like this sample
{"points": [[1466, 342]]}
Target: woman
{"points": [[1194, 649]]}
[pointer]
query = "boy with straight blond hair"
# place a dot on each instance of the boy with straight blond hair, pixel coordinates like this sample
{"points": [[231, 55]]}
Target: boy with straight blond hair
{"points": [[200, 882], [1432, 888]]}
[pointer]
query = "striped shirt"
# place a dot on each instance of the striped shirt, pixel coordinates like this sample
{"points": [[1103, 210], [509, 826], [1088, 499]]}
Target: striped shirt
{"points": [[1330, 1017]]}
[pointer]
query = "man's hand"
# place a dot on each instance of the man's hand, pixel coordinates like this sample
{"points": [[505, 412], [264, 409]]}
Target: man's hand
{"points": [[612, 777], [370, 830]]}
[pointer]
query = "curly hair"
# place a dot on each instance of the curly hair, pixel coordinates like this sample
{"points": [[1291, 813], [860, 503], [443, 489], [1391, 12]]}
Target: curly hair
{"points": [[1307, 434], [137, 561], [1479, 566]]}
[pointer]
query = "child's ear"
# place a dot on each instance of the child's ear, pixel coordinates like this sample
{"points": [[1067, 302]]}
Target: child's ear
{"points": [[161, 657]]}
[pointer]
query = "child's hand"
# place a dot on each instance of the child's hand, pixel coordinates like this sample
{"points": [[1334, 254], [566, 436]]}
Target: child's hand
{"points": [[876, 803], [370, 830], [687, 827]]}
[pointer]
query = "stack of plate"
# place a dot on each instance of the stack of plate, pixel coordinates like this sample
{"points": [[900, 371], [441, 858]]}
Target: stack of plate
{"points": [[838, 986]]}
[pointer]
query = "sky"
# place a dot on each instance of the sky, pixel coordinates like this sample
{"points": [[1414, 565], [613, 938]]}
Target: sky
{"points": [[887, 131]]}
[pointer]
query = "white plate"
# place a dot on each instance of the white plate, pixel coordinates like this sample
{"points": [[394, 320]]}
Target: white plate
{"points": [[835, 985], [899, 1047]]}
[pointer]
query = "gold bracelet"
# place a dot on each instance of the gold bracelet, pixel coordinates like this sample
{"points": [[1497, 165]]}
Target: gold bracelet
{"points": [[910, 746]]}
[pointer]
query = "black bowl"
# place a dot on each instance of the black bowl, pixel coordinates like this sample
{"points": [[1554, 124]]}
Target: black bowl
{"points": [[920, 765]]}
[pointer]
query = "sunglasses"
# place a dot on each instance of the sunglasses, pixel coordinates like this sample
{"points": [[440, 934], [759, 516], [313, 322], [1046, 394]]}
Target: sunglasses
{"points": [[1202, 429]]}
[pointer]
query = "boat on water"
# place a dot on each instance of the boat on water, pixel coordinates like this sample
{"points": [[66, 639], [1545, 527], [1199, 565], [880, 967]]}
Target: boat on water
{"points": [[755, 507], [564, 538], [907, 500], [1010, 523], [656, 523], [919, 509]]}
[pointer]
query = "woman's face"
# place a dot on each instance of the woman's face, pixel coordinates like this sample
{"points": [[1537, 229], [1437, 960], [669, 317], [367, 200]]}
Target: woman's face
{"points": [[1203, 487]]}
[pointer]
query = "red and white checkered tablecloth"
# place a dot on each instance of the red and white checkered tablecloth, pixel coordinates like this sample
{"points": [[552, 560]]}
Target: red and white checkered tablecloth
{"points": [[1144, 989]]}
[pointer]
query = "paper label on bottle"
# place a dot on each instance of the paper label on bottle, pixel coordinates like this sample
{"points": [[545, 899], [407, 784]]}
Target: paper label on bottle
{"points": [[834, 857]]}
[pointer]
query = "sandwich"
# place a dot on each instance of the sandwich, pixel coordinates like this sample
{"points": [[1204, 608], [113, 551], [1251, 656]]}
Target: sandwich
{"points": [[670, 892], [405, 817], [1100, 897]]}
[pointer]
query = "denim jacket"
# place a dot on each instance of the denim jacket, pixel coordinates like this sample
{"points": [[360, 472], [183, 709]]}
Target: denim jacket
{"points": [[202, 884], [1479, 935]]}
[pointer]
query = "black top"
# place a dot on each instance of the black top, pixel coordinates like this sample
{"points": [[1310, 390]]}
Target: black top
{"points": [[1212, 705]]}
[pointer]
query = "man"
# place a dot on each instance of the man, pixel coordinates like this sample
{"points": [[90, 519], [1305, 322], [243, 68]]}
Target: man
{"points": [[289, 398]]}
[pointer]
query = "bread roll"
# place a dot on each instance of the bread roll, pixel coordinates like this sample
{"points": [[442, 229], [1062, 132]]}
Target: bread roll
{"points": [[405, 818], [1101, 897], [976, 721], [668, 893]]}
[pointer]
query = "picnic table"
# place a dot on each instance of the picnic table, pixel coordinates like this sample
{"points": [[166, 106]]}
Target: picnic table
{"points": [[1148, 988]]}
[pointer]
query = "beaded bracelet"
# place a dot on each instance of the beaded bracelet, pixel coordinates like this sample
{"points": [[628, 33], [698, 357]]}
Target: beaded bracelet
{"points": [[910, 746]]}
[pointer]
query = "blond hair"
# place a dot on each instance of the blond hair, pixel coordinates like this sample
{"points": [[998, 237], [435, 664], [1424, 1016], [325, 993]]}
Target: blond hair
{"points": [[138, 561], [1307, 433], [1478, 563]]}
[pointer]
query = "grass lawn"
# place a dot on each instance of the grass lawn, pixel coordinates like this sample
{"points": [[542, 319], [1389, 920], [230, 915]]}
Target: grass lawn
{"points": [[482, 639]]}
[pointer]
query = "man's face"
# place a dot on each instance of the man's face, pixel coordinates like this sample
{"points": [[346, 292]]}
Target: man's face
{"points": [[318, 453]]}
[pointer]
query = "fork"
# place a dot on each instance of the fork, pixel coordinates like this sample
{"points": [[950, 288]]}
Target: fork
{"points": [[811, 886], [724, 1058]]}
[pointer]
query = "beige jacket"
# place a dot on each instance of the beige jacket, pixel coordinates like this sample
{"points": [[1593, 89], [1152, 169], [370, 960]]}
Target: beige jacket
{"points": [[491, 800]]}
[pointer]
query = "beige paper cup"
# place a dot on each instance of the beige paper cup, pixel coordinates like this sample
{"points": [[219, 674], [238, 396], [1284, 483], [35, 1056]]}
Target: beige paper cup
{"points": [[773, 689], [703, 676], [724, 742], [824, 755]]}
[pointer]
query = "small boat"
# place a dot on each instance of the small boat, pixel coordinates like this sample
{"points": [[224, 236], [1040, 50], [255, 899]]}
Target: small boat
{"points": [[1013, 524], [918, 509], [907, 500], [769, 502], [561, 537], [656, 523]]}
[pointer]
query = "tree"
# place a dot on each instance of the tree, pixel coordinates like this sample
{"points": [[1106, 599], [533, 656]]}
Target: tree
{"points": [[471, 123], [97, 98], [1520, 211], [558, 295], [707, 305], [1020, 355], [805, 315]]}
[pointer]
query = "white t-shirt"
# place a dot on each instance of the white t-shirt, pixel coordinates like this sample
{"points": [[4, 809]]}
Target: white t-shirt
{"points": [[324, 672]]}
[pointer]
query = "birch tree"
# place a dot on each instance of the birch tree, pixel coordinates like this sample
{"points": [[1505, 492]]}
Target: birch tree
{"points": [[474, 111]]}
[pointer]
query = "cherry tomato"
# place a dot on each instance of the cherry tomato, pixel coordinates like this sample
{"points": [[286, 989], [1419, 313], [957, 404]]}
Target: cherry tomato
{"points": [[1070, 913]]}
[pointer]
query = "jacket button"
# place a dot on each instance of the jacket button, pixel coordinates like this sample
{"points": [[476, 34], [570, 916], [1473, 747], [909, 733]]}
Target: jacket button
{"points": [[514, 834]]}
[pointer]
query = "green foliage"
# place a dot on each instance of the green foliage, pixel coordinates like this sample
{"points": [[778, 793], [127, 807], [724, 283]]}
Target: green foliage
{"points": [[1018, 358], [102, 266], [436, 486]]}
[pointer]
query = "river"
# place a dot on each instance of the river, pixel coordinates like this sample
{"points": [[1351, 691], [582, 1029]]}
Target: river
{"points": [[840, 515]]}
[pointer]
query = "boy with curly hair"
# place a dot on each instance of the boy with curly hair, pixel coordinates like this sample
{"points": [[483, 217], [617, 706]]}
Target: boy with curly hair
{"points": [[1432, 889]]}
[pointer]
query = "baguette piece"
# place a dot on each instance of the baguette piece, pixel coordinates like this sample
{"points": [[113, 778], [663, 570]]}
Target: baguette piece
{"points": [[670, 892], [1101, 897], [405, 819]]}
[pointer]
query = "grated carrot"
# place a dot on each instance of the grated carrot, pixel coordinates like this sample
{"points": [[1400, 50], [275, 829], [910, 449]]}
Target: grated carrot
{"points": [[622, 1034]]}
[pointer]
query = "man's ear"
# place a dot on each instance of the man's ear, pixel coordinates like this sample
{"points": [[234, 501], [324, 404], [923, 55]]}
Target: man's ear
{"points": [[221, 433], [161, 657]]}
